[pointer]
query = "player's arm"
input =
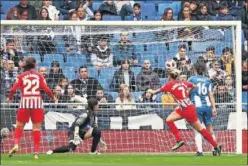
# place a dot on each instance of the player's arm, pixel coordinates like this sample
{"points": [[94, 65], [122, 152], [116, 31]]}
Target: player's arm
{"points": [[80, 120], [46, 88], [191, 86], [212, 101], [164, 88], [14, 88]]}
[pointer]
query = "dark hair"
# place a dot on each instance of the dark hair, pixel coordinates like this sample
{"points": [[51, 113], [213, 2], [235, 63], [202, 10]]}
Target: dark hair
{"points": [[166, 12], [182, 46], [97, 11], [144, 95], [29, 62], [40, 16], [92, 102], [22, 11], [200, 68], [55, 63], [227, 49], [9, 41], [137, 5], [210, 48], [71, 14], [82, 67], [202, 5]]}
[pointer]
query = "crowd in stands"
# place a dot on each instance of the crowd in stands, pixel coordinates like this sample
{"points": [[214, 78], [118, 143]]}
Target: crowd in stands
{"points": [[125, 81]]}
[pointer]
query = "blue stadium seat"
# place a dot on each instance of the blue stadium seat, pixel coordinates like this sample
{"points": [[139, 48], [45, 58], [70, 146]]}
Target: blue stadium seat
{"points": [[96, 5], [136, 70], [163, 80], [48, 58], [76, 60], [104, 83], [70, 72], [92, 72], [148, 9], [137, 95], [149, 57], [36, 56], [114, 95], [111, 18], [245, 101], [152, 18], [3, 16]]}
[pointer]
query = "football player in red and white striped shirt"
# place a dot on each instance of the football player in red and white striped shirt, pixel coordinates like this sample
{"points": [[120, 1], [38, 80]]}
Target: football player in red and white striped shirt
{"points": [[30, 83]]}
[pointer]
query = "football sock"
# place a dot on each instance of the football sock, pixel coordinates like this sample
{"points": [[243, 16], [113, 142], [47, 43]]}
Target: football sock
{"points": [[18, 135], [174, 130], [198, 141], [208, 137], [36, 137]]}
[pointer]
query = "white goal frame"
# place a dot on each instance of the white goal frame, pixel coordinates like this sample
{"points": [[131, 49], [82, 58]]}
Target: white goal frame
{"points": [[236, 26]]}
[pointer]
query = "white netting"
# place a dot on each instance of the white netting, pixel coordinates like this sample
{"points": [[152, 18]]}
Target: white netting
{"points": [[100, 50]]}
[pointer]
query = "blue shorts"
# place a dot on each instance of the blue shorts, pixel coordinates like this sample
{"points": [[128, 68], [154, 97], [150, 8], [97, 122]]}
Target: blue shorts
{"points": [[205, 115]]}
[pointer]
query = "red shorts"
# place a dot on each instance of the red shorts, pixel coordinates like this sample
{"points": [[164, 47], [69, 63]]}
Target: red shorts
{"points": [[37, 115], [188, 113]]}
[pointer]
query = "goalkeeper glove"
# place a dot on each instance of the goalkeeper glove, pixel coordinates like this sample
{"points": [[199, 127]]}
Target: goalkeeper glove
{"points": [[77, 140], [103, 145]]}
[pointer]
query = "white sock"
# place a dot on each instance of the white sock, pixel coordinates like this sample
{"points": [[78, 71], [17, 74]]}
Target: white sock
{"points": [[198, 141]]}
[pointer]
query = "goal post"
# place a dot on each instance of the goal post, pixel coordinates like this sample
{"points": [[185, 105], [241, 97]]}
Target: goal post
{"points": [[110, 28]]}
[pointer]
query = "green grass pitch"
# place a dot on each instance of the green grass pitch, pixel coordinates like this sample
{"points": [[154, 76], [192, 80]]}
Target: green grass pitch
{"points": [[125, 159]]}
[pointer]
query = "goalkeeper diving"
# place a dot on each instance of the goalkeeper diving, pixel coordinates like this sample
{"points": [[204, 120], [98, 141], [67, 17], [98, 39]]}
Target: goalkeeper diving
{"points": [[84, 127]]}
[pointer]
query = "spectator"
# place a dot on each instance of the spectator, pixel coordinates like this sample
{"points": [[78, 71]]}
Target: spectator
{"points": [[85, 86], [123, 76], [193, 9], [104, 99], [182, 60], [186, 14], [73, 98], [245, 75], [108, 8], [209, 56], [183, 4], [215, 5], [43, 71], [37, 4], [227, 61], [55, 74], [244, 19], [23, 6], [224, 15], [168, 15], [147, 78], [168, 99], [148, 98], [102, 56], [63, 83], [215, 73], [183, 76], [59, 97], [124, 99], [53, 12], [124, 8], [235, 6], [24, 15], [9, 75], [66, 7], [82, 16], [13, 14], [97, 16], [10, 53], [222, 95], [203, 13], [73, 39], [44, 15], [124, 49], [88, 6], [136, 16], [230, 86]]}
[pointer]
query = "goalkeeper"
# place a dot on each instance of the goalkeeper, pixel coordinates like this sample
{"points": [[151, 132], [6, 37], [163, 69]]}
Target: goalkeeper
{"points": [[84, 127]]}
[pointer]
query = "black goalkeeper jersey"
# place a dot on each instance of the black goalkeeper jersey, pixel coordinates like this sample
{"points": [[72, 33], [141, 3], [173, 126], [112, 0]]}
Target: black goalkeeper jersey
{"points": [[85, 121]]}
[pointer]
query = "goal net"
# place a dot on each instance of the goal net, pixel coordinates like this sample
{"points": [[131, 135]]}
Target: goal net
{"points": [[118, 53]]}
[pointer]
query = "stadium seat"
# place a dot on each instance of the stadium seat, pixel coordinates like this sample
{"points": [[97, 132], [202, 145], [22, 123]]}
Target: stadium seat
{"points": [[245, 101], [36, 56], [111, 18], [48, 58], [148, 9], [106, 75], [70, 72], [76, 60], [96, 5], [92, 72], [3, 16], [152, 18], [137, 95], [149, 57], [163, 80], [136, 70], [114, 95]]}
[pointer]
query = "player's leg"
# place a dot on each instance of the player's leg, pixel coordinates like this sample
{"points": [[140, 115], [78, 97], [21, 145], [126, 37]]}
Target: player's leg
{"points": [[37, 117], [63, 149], [174, 116], [197, 125], [198, 136], [21, 119], [96, 134]]}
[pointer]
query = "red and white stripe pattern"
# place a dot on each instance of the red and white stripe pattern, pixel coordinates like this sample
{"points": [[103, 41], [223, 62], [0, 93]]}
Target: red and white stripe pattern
{"points": [[31, 102]]}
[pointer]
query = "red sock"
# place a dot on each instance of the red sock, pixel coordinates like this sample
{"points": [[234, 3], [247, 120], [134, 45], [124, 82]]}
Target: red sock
{"points": [[174, 131], [36, 137], [18, 135], [208, 137]]}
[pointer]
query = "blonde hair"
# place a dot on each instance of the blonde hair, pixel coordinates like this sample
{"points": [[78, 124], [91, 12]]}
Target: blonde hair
{"points": [[121, 94]]}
